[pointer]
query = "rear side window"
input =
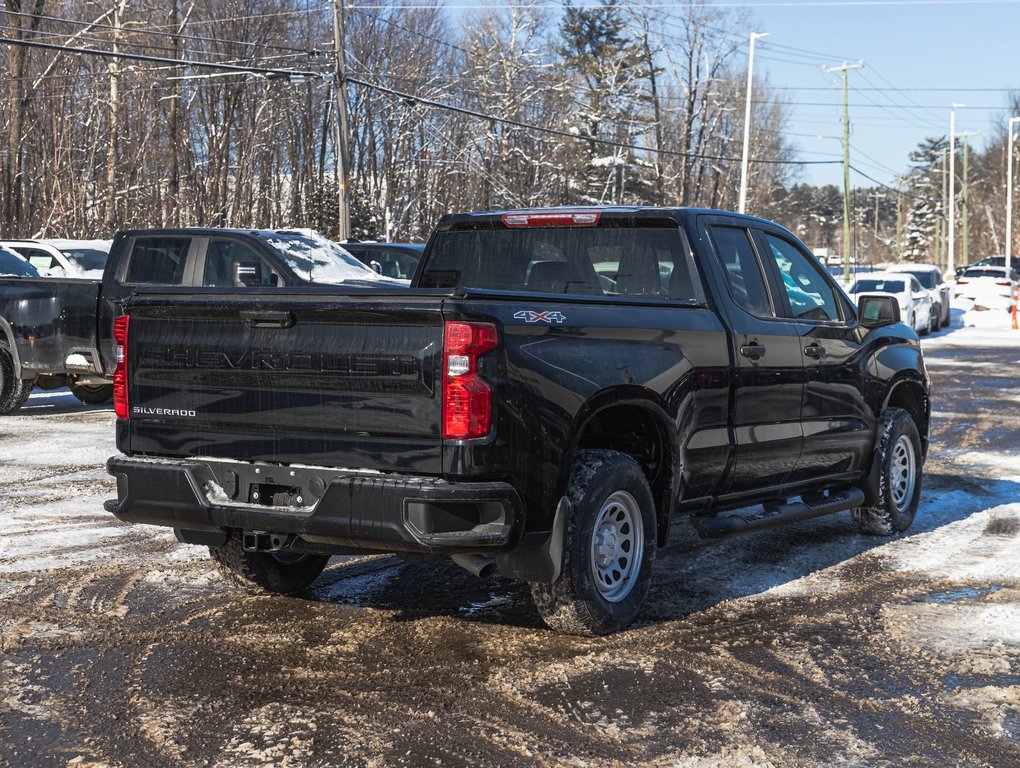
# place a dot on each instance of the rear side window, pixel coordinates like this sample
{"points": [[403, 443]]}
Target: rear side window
{"points": [[741, 269], [643, 262], [40, 259], [158, 260]]}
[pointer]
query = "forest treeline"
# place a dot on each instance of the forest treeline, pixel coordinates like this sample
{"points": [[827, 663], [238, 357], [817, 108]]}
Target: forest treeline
{"points": [[509, 107]]}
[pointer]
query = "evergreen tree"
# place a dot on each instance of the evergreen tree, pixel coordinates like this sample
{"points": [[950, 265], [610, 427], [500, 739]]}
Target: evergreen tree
{"points": [[610, 68], [925, 213]]}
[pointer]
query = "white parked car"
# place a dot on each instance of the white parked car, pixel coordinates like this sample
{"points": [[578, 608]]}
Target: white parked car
{"points": [[990, 287], [916, 309], [63, 258], [930, 278]]}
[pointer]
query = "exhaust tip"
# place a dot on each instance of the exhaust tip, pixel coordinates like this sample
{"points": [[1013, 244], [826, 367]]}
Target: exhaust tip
{"points": [[481, 566]]}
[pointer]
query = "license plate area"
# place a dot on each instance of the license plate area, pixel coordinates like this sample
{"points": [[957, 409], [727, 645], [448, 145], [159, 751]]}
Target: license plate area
{"points": [[275, 495]]}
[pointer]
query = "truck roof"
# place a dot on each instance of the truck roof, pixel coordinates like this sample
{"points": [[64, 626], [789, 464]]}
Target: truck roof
{"points": [[210, 231], [633, 211], [611, 210]]}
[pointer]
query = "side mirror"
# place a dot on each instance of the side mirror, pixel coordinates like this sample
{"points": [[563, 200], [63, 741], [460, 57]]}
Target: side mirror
{"points": [[247, 273], [876, 311]]}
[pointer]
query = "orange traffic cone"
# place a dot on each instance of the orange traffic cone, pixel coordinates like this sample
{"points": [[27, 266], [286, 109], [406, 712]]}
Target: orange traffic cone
{"points": [[1016, 300]]}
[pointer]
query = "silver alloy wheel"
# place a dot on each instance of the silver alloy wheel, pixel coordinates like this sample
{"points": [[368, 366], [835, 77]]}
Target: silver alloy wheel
{"points": [[902, 473], [617, 546]]}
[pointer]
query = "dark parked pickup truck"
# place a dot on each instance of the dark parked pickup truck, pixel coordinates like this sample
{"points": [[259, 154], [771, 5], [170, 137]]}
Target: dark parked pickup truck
{"points": [[553, 389], [59, 332]]}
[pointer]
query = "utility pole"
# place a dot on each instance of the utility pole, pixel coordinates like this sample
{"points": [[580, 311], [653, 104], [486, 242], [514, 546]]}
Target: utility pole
{"points": [[899, 197], [340, 124], [747, 122], [951, 264], [943, 228], [114, 128], [1009, 190], [844, 68], [964, 201], [964, 195]]}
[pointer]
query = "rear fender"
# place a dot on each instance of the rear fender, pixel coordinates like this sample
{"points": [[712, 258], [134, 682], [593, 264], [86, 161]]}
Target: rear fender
{"points": [[665, 482]]}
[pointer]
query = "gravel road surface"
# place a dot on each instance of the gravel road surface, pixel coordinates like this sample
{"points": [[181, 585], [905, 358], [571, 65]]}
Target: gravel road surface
{"points": [[810, 645]]}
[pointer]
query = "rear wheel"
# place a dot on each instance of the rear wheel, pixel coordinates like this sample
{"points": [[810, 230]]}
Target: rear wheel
{"points": [[14, 391], [98, 394], [899, 488], [284, 572], [610, 546]]}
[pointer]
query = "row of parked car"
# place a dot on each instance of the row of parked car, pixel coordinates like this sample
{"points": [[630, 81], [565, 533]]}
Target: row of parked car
{"points": [[87, 258]]}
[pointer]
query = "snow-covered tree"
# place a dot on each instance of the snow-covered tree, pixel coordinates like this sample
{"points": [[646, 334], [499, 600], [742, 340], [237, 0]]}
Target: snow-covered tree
{"points": [[925, 213]]}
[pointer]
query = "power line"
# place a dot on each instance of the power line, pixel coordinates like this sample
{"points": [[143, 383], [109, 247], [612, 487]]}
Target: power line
{"points": [[412, 99], [254, 70], [156, 29]]}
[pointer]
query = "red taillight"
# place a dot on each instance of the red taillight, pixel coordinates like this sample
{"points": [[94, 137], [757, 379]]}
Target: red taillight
{"points": [[961, 282], [558, 219], [120, 373], [1002, 282], [467, 398]]}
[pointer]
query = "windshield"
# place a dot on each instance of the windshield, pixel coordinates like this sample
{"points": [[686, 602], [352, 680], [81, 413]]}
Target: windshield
{"points": [[318, 260], [878, 286], [12, 264], [86, 258], [999, 272], [927, 279]]}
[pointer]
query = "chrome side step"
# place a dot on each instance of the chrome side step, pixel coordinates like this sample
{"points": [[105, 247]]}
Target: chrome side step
{"points": [[732, 525]]}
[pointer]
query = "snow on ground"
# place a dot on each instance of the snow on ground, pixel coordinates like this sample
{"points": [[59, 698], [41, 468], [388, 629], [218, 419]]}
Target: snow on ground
{"points": [[807, 645]]}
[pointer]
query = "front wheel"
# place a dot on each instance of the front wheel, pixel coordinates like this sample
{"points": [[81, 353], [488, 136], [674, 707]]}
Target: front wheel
{"points": [[14, 391], [609, 549], [899, 487], [283, 573]]}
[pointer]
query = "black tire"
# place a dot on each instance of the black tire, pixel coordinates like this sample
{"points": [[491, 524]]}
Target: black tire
{"points": [[99, 394], [937, 326], [14, 391], [899, 487], [284, 573], [600, 590]]}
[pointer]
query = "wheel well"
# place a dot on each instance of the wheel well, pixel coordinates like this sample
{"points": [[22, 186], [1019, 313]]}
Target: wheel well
{"points": [[911, 397], [639, 433]]}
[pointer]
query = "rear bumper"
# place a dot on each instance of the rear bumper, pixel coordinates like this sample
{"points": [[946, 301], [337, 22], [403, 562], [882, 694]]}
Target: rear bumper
{"points": [[371, 512]]}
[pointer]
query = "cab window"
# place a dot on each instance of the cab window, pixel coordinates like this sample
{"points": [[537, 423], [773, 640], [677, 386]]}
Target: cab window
{"points": [[809, 295]]}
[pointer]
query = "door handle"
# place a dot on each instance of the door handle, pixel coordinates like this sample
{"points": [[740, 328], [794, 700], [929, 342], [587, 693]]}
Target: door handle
{"points": [[752, 351], [267, 319], [815, 351]]}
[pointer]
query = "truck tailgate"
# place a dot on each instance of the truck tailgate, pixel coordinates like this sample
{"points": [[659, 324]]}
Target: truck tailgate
{"points": [[340, 381]]}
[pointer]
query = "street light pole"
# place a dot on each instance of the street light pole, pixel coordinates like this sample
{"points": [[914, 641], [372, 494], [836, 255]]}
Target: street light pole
{"points": [[844, 68], [1009, 190], [742, 205]]}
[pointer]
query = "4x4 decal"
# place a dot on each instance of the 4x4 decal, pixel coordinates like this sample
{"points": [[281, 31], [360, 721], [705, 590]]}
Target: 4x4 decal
{"points": [[531, 316]]}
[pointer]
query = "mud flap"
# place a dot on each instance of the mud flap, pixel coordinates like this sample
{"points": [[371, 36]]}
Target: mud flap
{"points": [[541, 562], [870, 486]]}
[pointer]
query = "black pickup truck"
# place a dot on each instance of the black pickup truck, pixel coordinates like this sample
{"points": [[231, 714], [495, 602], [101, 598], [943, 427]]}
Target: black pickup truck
{"points": [[553, 389], [57, 332]]}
